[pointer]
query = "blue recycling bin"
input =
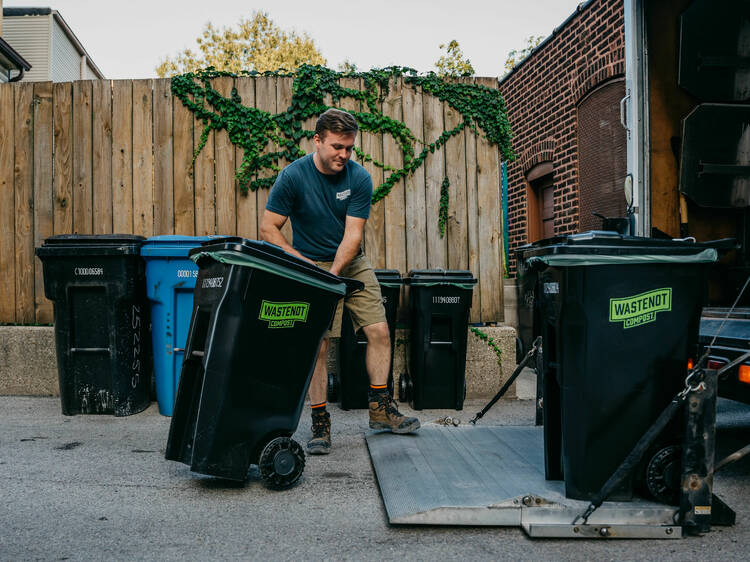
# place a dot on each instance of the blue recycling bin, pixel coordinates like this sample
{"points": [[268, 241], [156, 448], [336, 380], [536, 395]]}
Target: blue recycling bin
{"points": [[170, 281]]}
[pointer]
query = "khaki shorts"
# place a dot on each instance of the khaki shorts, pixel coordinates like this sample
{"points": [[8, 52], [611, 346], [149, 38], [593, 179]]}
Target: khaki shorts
{"points": [[365, 307]]}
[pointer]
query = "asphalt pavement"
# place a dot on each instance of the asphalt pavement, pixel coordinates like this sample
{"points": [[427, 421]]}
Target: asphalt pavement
{"points": [[98, 487]]}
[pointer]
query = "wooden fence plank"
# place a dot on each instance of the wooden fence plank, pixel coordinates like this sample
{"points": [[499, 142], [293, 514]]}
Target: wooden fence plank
{"points": [[7, 203], [265, 100], [375, 229], [490, 242], [434, 165], [226, 202], [63, 158], [184, 183], [283, 101], [24, 192], [163, 154], [102, 156], [472, 208], [416, 242], [82, 158], [122, 156], [205, 189], [143, 159], [395, 217], [43, 226], [351, 104], [247, 214], [455, 165]]}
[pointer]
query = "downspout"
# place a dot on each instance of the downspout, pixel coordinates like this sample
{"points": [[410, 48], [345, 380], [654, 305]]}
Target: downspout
{"points": [[18, 77]]}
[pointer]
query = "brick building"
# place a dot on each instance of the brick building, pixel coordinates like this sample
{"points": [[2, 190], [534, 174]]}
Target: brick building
{"points": [[563, 102]]}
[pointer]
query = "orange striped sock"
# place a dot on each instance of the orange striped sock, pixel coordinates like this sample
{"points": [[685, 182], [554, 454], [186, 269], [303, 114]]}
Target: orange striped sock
{"points": [[319, 407], [379, 387]]}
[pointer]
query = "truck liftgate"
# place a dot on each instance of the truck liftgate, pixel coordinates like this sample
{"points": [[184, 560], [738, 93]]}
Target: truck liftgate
{"points": [[494, 476]]}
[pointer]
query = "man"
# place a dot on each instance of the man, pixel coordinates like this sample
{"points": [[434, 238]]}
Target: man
{"points": [[327, 197]]}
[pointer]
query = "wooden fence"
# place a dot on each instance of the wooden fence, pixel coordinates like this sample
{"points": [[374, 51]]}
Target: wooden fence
{"points": [[115, 156]]}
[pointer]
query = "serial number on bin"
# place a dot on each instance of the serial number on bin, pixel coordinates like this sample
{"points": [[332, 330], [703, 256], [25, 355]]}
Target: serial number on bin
{"points": [[446, 300], [136, 366], [89, 271], [187, 273]]}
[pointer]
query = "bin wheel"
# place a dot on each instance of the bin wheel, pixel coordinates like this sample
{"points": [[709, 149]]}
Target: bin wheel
{"points": [[659, 475], [281, 463], [403, 388], [333, 388]]}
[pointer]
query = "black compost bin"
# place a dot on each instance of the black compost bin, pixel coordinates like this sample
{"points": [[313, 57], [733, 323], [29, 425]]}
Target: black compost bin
{"points": [[619, 320], [97, 284], [439, 303], [354, 380], [259, 317]]}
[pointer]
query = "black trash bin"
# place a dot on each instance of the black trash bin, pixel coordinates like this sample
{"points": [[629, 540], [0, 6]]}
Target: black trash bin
{"points": [[619, 319], [259, 317], [439, 304], [354, 380], [97, 284]]}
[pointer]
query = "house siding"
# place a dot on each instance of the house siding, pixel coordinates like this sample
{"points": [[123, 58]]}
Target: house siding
{"points": [[542, 96], [30, 36], [66, 61]]}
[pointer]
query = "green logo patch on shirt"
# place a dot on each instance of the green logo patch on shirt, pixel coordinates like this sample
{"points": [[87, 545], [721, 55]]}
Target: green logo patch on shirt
{"points": [[640, 309], [283, 314]]}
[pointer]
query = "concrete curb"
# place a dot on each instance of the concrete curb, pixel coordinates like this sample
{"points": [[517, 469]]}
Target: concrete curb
{"points": [[28, 364]]}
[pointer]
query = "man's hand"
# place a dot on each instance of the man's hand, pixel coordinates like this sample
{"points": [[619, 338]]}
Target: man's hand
{"points": [[270, 231], [350, 243]]}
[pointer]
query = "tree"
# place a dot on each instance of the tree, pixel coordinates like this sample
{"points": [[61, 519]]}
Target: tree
{"points": [[514, 57], [257, 44], [452, 63], [347, 66]]}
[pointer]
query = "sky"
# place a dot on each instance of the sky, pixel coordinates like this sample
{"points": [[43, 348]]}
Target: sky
{"points": [[128, 39]]}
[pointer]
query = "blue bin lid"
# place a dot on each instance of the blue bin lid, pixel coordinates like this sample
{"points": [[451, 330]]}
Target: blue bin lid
{"points": [[172, 245]]}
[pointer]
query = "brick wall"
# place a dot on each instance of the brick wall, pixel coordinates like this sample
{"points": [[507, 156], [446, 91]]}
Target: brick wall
{"points": [[541, 96]]}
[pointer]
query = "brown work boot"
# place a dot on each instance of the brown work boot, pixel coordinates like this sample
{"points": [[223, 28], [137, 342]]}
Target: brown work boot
{"points": [[320, 443], [385, 415]]}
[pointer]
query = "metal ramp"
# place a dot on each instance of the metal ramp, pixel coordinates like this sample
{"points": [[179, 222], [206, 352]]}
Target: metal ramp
{"points": [[495, 476]]}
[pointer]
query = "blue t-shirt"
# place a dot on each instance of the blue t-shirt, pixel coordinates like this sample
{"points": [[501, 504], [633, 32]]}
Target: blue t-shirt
{"points": [[318, 204]]}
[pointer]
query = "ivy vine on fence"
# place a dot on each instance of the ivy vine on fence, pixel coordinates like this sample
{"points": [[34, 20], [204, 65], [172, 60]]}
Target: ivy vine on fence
{"points": [[482, 109]]}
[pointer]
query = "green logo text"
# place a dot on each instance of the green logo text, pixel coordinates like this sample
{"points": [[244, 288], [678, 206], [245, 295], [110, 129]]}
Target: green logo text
{"points": [[640, 309], [283, 314]]}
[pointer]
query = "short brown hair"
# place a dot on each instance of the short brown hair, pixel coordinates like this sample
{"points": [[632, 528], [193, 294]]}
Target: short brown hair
{"points": [[336, 121]]}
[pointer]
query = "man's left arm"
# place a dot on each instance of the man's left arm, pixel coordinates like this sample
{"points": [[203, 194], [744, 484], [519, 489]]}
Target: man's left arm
{"points": [[350, 243]]}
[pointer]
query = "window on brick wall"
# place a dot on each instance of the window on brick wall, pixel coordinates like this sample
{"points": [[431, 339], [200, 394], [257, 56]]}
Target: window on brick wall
{"points": [[601, 155], [540, 193]]}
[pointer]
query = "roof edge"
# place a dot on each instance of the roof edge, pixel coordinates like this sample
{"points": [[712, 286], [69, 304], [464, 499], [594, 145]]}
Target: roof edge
{"points": [[10, 12], [555, 32], [76, 43], [13, 56]]}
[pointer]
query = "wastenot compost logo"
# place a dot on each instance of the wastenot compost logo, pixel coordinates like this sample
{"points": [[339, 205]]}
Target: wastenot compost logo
{"points": [[640, 309], [283, 314]]}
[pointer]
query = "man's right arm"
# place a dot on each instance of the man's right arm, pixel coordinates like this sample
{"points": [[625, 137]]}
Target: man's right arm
{"points": [[270, 231]]}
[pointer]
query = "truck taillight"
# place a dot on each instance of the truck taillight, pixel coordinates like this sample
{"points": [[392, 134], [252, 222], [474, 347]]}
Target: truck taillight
{"points": [[715, 364], [744, 375]]}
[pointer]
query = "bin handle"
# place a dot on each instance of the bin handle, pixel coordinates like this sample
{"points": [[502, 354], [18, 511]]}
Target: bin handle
{"points": [[352, 285]]}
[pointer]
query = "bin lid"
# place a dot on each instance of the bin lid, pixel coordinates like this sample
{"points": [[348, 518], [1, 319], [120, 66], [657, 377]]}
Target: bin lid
{"points": [[90, 245], [598, 247], [426, 277], [172, 245], [389, 277], [271, 258]]}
